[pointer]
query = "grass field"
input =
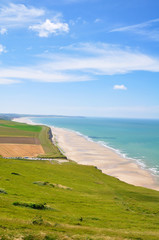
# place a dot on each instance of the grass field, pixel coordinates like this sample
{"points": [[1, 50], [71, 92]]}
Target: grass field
{"points": [[43, 200], [9, 129]]}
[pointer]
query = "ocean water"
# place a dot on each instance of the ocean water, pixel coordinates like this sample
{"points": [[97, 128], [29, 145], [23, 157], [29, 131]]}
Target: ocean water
{"points": [[133, 138]]}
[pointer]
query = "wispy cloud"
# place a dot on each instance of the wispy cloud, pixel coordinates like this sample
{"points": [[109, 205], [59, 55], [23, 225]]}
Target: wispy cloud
{"points": [[102, 59], [148, 28], [6, 81], [16, 15], [2, 49], [37, 74], [136, 26], [3, 31], [83, 62], [97, 20], [119, 87], [48, 27]]}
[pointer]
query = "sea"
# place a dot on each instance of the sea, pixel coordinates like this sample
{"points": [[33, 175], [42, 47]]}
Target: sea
{"points": [[137, 139]]}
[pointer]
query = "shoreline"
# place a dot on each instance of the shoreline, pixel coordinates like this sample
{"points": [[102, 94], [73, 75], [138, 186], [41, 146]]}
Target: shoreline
{"points": [[78, 148]]}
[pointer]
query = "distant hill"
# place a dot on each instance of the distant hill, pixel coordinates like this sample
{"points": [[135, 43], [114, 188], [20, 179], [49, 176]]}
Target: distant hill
{"points": [[10, 116]]}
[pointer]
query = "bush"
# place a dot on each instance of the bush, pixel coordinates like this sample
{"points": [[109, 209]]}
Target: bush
{"points": [[29, 237], [3, 191], [50, 238], [41, 183], [38, 220], [54, 185], [14, 173], [39, 206]]}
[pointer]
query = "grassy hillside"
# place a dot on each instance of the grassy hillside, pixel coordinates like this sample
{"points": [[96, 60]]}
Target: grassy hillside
{"points": [[13, 129], [47, 200]]}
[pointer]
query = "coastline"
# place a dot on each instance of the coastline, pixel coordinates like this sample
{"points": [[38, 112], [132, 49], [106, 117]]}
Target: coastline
{"points": [[79, 149]]}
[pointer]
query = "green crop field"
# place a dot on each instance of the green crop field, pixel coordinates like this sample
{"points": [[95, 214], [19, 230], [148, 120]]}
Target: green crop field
{"points": [[47, 200], [14, 129]]}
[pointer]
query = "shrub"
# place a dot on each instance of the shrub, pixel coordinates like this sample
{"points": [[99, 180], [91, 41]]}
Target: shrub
{"points": [[3, 191], [41, 183], [14, 173], [29, 237], [39, 206], [38, 220], [54, 185], [50, 238]]}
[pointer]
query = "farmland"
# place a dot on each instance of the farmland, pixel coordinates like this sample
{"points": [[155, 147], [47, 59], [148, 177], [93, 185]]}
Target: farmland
{"points": [[20, 140], [21, 150]]}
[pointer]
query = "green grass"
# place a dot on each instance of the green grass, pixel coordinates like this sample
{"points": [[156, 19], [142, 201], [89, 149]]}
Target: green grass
{"points": [[14, 129], [97, 207], [50, 149], [21, 126], [44, 200]]}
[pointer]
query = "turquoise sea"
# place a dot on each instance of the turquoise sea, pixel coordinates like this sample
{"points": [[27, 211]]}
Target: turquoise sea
{"points": [[133, 138]]}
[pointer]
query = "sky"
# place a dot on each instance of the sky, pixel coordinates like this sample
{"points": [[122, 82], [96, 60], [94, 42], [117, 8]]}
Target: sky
{"points": [[80, 57]]}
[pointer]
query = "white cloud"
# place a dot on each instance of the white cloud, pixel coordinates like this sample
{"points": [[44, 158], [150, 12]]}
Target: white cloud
{"points": [[97, 20], [83, 62], [3, 31], [119, 87], [22, 16], [48, 27], [2, 49], [18, 15], [148, 29], [102, 59], [78, 20], [38, 73], [135, 26], [6, 81]]}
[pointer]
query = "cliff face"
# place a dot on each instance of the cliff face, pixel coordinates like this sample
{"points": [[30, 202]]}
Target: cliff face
{"points": [[50, 134]]}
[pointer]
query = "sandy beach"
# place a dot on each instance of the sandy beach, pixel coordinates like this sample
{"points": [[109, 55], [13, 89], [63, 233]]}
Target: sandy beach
{"points": [[83, 151]]}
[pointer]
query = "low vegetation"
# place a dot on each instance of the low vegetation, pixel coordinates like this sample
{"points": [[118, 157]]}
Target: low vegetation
{"points": [[97, 207], [52, 185], [51, 151], [39, 206], [3, 191]]}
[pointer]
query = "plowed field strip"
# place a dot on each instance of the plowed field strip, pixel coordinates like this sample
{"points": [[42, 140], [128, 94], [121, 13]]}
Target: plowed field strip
{"points": [[20, 140], [20, 150]]}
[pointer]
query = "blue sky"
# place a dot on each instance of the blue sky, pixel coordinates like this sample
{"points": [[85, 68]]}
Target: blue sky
{"points": [[80, 57]]}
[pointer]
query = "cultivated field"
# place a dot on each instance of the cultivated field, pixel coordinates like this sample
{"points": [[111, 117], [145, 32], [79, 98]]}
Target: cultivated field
{"points": [[20, 150], [20, 140], [23, 140]]}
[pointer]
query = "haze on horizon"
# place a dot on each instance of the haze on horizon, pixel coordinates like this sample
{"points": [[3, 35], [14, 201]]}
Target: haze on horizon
{"points": [[80, 57]]}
